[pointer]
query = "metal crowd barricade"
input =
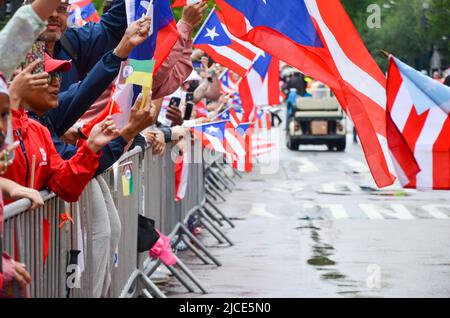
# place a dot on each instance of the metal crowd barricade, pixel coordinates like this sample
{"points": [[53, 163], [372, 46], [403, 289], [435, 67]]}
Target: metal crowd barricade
{"points": [[67, 229], [25, 238]]}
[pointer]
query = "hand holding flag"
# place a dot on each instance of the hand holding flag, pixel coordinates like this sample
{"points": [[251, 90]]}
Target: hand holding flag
{"points": [[184, 3], [140, 118]]}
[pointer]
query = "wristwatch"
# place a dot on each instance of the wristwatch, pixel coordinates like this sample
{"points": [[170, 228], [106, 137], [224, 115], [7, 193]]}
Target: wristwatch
{"points": [[80, 133]]}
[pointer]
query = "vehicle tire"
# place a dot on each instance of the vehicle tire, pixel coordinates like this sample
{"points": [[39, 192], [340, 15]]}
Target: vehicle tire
{"points": [[330, 147], [341, 145], [291, 144]]}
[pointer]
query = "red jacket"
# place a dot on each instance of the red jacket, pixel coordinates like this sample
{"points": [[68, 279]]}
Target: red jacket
{"points": [[67, 178]]}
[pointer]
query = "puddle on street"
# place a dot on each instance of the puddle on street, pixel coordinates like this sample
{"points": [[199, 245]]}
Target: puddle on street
{"points": [[322, 260]]}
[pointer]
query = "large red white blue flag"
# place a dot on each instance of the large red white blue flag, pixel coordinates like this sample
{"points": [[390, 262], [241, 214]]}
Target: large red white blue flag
{"points": [[318, 38], [418, 127], [183, 3], [82, 12], [163, 33], [225, 48], [261, 85]]}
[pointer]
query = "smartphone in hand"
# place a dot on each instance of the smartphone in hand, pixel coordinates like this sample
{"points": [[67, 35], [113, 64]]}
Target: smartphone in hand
{"points": [[175, 102]]}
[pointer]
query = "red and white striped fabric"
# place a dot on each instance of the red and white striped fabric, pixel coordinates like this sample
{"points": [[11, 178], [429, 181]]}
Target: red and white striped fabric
{"points": [[329, 50], [183, 3], [264, 121], [235, 54], [260, 87], [245, 163], [261, 146], [181, 178], [418, 128]]}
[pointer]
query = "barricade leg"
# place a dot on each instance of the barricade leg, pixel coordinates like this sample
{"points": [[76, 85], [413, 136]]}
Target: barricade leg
{"points": [[211, 230], [209, 192], [213, 181], [189, 274], [225, 175], [213, 217], [237, 173], [197, 243], [180, 278], [205, 217], [218, 218], [214, 189], [218, 176], [220, 212], [152, 286], [193, 249]]}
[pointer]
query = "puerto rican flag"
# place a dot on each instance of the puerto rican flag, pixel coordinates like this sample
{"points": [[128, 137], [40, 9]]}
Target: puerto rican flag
{"points": [[242, 159], [226, 49], [183, 3], [234, 117], [263, 119], [163, 35], [318, 38], [418, 127], [82, 12], [230, 86], [261, 85], [212, 135]]}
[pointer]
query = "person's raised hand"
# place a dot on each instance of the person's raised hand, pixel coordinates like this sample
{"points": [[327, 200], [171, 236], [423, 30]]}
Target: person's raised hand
{"points": [[140, 118], [102, 134], [135, 34], [193, 14], [174, 115], [26, 81]]}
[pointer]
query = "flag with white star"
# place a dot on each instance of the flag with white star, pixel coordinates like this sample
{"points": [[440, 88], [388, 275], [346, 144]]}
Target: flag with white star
{"points": [[214, 39], [212, 135]]}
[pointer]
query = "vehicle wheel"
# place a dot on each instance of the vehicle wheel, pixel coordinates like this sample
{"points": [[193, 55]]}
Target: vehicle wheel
{"points": [[341, 145], [331, 147], [291, 144]]}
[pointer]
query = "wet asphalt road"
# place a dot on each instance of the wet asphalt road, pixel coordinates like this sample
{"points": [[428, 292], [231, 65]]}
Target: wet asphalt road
{"points": [[317, 228]]}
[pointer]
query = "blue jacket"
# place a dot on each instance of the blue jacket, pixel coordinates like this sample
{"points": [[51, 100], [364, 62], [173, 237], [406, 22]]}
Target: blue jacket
{"points": [[92, 45], [91, 42], [74, 102]]}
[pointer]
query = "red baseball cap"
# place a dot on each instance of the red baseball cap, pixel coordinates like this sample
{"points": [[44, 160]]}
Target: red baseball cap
{"points": [[53, 65]]}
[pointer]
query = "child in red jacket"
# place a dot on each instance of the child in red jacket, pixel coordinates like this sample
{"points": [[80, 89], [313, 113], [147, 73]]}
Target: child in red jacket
{"points": [[9, 270]]}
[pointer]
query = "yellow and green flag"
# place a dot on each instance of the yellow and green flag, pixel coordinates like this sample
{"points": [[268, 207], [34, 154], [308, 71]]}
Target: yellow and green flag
{"points": [[127, 181], [140, 72]]}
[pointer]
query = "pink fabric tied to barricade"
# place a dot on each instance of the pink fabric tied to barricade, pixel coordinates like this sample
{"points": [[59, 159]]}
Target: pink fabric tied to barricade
{"points": [[163, 250]]}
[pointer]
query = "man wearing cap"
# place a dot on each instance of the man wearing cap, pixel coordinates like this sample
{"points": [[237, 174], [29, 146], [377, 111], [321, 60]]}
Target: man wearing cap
{"points": [[86, 45], [21, 31]]}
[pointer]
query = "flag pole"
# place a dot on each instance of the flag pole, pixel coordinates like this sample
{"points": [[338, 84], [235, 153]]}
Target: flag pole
{"points": [[386, 54], [204, 23]]}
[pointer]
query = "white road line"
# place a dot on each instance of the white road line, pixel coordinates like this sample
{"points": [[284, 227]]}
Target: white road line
{"points": [[259, 209], [337, 210], [307, 166], [435, 210], [356, 165], [396, 211], [337, 187]]}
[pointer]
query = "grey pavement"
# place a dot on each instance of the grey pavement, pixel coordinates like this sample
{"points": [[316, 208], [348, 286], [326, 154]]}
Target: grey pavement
{"points": [[318, 228]]}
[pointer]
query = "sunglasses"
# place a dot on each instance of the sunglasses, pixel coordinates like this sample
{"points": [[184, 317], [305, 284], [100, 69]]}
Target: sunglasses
{"points": [[53, 76]]}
